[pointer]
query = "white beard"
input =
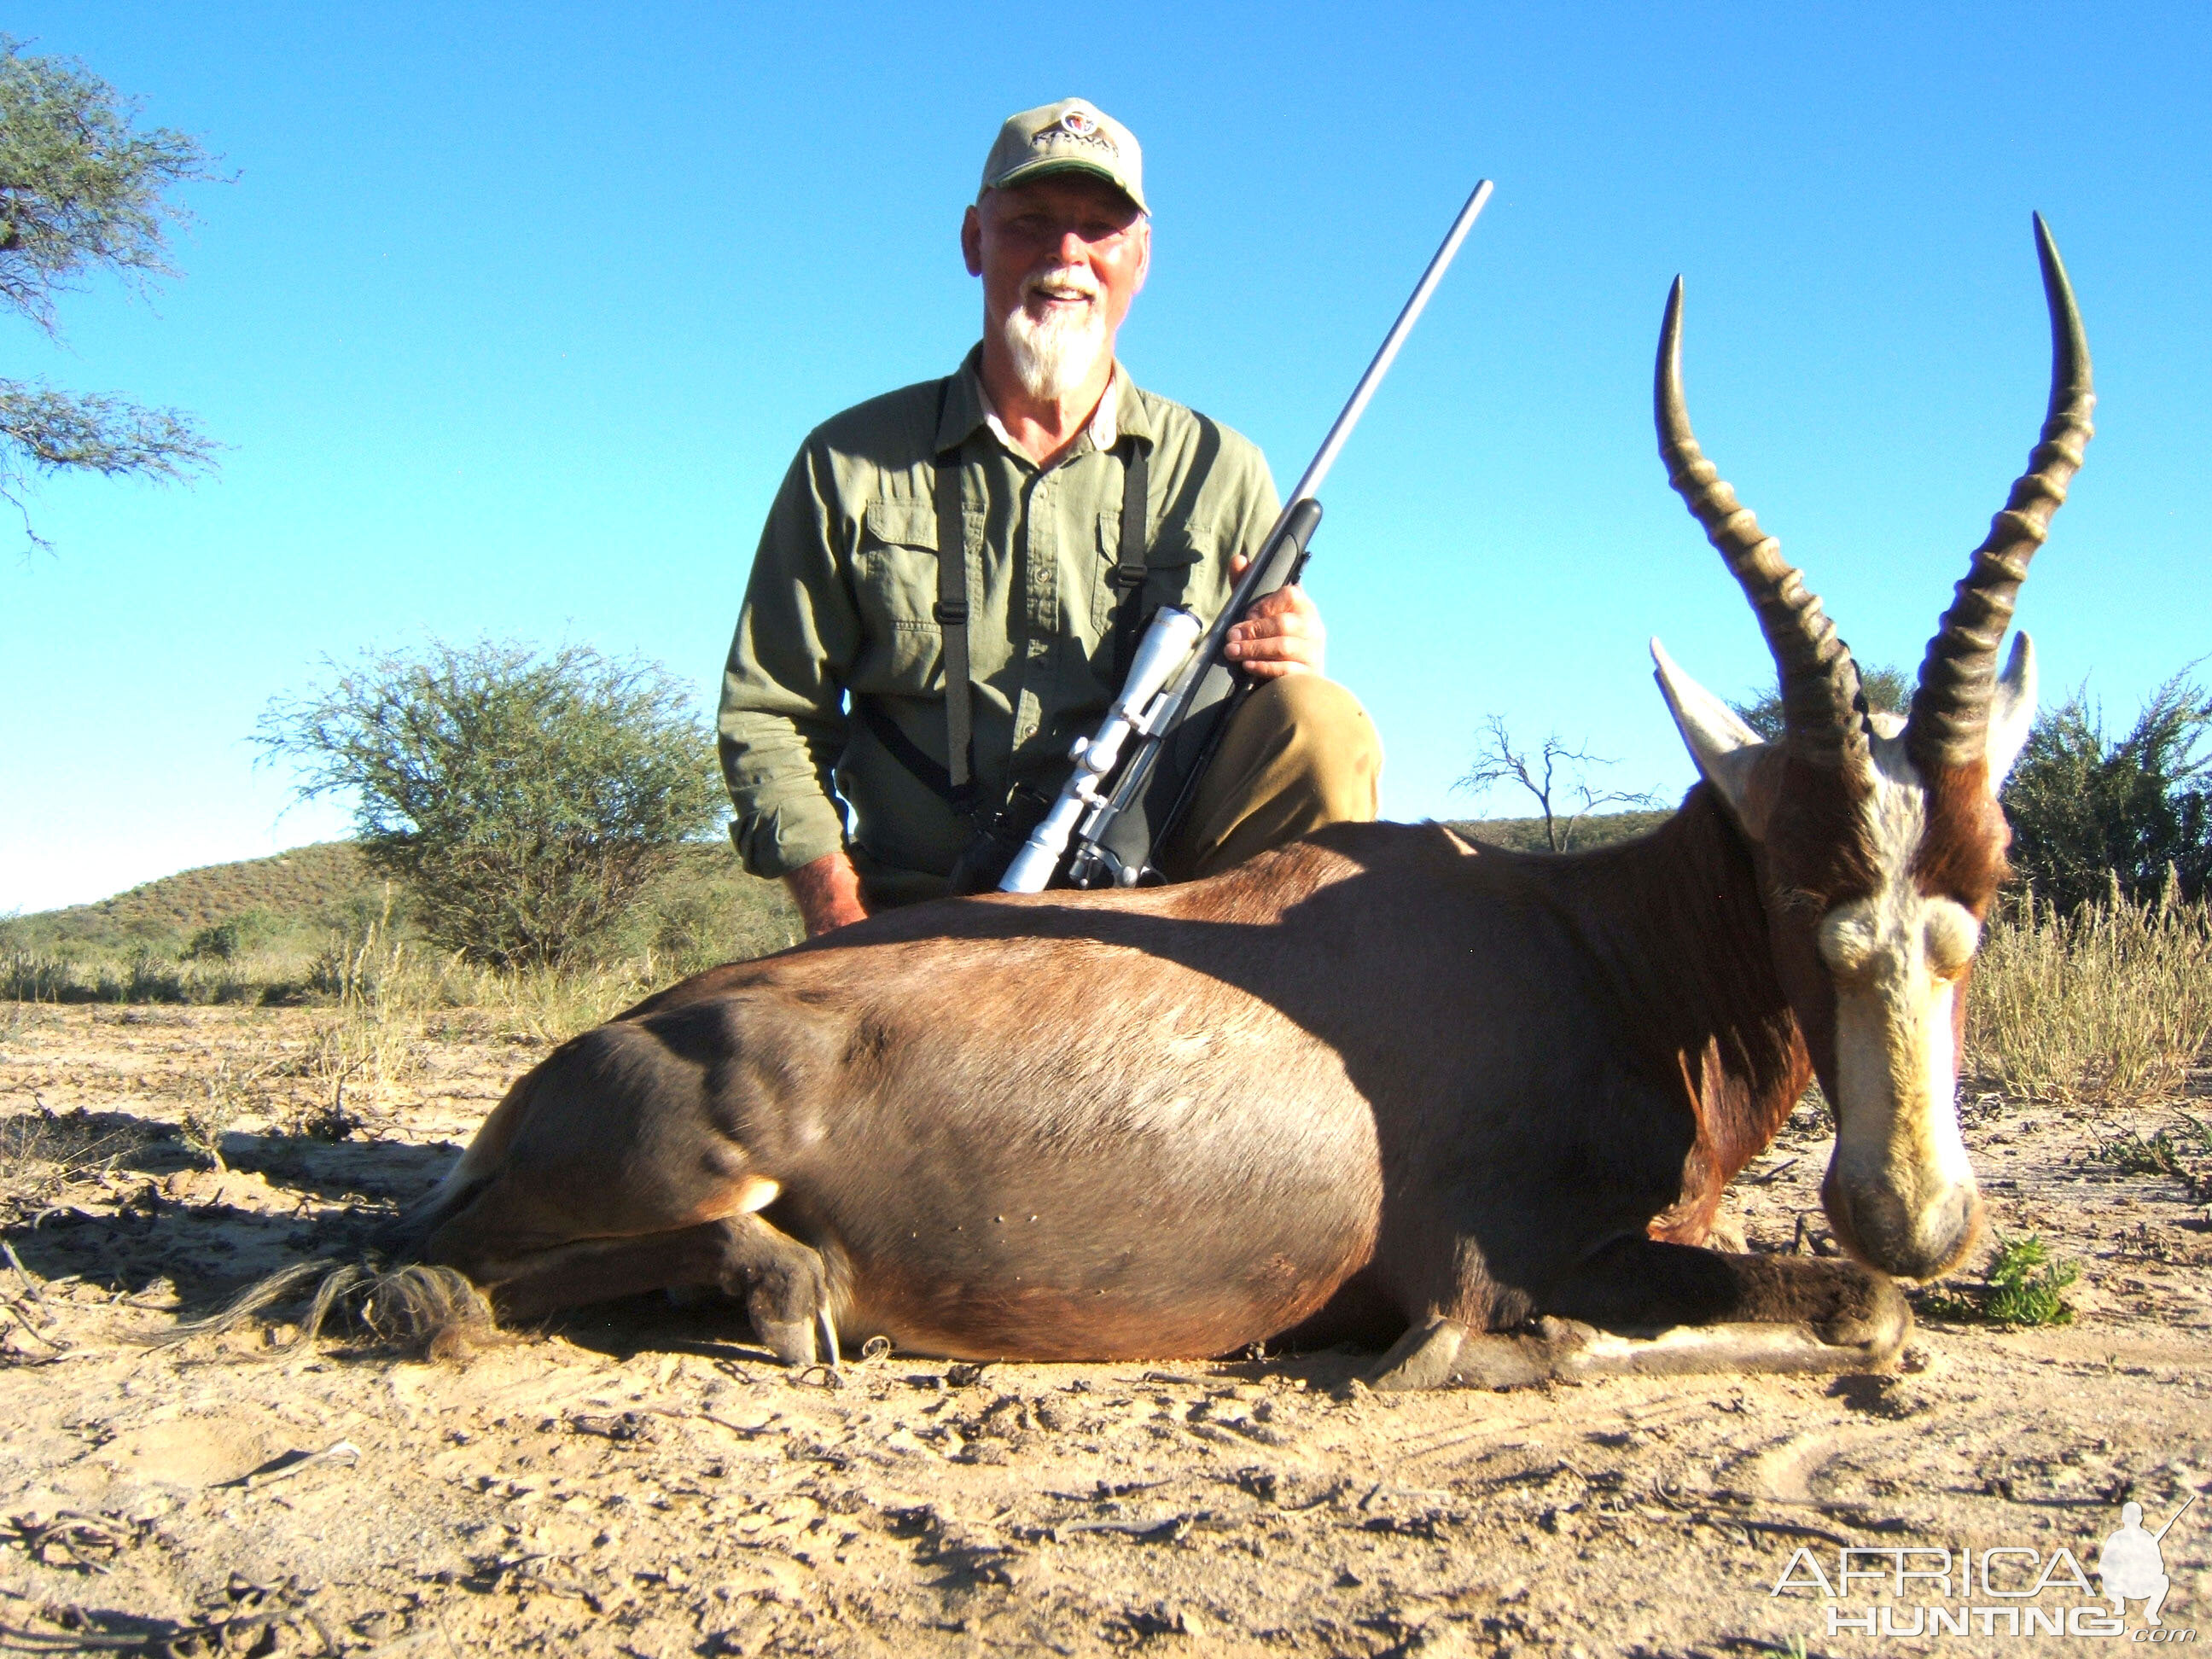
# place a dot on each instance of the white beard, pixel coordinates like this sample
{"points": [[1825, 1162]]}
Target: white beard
{"points": [[1054, 357]]}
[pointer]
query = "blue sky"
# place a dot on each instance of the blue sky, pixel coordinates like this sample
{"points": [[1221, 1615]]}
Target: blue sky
{"points": [[513, 317]]}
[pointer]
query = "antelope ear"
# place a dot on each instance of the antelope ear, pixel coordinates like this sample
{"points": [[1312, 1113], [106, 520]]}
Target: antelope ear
{"points": [[1726, 750], [2012, 710]]}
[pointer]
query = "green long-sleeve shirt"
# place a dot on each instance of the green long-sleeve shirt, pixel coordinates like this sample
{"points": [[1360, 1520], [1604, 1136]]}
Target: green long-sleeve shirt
{"points": [[840, 603]]}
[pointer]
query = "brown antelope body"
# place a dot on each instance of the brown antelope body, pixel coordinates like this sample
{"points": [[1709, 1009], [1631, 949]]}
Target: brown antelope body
{"points": [[1382, 1081]]}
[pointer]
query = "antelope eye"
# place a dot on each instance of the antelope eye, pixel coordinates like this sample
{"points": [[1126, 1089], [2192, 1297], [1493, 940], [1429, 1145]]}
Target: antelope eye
{"points": [[1951, 935], [1846, 940]]}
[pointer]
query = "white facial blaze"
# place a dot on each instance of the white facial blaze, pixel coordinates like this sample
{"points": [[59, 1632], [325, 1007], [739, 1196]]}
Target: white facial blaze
{"points": [[1896, 1068], [1895, 958]]}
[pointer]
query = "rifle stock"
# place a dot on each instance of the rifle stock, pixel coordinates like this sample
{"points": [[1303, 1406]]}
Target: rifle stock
{"points": [[1153, 791]]}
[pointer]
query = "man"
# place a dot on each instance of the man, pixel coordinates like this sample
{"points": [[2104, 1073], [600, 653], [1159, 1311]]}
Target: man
{"points": [[838, 726], [2132, 1566]]}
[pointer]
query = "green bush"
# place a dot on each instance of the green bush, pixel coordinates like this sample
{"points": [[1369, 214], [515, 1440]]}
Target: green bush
{"points": [[2086, 813], [227, 940], [525, 800]]}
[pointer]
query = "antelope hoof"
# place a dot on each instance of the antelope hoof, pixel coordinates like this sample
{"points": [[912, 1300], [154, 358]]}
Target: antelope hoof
{"points": [[1876, 1331], [790, 1341], [792, 1317], [786, 1289], [1422, 1358], [1444, 1354]]}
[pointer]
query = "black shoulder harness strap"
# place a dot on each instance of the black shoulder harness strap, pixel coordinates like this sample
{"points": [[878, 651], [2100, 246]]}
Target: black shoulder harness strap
{"points": [[952, 614], [955, 780], [1128, 578]]}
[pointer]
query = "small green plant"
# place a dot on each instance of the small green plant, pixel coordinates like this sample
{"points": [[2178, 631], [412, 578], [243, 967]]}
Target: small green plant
{"points": [[2024, 1285]]}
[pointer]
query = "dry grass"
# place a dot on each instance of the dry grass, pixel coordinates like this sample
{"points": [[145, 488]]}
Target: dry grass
{"points": [[43, 1152], [38, 976], [537, 1005], [225, 1093], [2112, 1003]]}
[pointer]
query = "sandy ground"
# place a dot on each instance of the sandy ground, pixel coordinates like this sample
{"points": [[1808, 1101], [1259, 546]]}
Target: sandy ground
{"points": [[645, 1482]]}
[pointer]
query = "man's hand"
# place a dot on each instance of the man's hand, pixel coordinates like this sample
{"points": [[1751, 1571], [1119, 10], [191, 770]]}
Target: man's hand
{"points": [[1283, 635], [827, 892]]}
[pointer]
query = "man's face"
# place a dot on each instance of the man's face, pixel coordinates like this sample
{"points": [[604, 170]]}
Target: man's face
{"points": [[1061, 249]]}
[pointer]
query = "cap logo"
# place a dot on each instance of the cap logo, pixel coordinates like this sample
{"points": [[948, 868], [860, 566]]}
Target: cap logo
{"points": [[1075, 127]]}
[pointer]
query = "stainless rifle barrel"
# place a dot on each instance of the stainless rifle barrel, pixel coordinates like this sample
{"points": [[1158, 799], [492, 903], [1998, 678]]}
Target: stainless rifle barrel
{"points": [[1310, 483]]}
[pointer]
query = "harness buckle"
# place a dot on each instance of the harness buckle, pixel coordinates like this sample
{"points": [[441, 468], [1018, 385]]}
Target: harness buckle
{"points": [[956, 611]]}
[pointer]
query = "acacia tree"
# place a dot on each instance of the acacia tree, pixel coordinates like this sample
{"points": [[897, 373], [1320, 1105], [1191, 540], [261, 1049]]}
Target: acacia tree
{"points": [[525, 800], [84, 189], [1554, 776]]}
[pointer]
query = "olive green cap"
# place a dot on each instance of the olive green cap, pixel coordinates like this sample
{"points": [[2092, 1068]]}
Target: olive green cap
{"points": [[1073, 136]]}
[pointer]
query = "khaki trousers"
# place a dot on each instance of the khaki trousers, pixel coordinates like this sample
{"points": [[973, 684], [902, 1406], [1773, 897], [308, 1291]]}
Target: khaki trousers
{"points": [[1298, 754]]}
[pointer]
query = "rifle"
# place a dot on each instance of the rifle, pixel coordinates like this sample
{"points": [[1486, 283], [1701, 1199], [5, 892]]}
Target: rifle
{"points": [[1182, 688], [2158, 1536]]}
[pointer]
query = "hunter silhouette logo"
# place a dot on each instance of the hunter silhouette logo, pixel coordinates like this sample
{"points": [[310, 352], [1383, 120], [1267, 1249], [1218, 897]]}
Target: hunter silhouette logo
{"points": [[2131, 1565]]}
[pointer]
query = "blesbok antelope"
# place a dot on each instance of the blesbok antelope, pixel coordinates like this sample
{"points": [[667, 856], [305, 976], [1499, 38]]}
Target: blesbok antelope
{"points": [[1383, 1083]]}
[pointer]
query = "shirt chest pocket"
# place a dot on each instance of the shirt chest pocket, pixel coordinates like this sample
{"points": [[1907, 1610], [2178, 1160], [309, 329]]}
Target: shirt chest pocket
{"points": [[1178, 570], [895, 582]]}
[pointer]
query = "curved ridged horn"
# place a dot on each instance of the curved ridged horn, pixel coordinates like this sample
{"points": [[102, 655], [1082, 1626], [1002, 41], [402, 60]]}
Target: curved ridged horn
{"points": [[1949, 723], [1824, 721]]}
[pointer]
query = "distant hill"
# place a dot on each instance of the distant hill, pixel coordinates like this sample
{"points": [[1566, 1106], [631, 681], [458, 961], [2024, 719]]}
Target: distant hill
{"points": [[295, 899], [322, 886], [312, 890]]}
